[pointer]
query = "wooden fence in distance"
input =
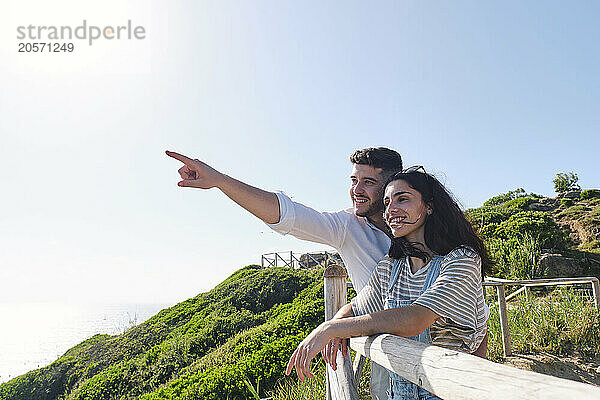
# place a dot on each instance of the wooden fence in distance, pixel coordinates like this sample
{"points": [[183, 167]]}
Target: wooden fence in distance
{"points": [[447, 373], [299, 260]]}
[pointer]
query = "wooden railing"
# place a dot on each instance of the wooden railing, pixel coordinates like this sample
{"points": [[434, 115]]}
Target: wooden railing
{"points": [[526, 284], [293, 260], [447, 373]]}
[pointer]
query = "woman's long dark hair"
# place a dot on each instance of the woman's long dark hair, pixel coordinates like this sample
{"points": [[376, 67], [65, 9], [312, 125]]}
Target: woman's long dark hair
{"points": [[446, 228]]}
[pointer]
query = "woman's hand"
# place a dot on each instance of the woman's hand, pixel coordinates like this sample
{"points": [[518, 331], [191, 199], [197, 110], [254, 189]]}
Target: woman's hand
{"points": [[307, 350], [329, 353]]}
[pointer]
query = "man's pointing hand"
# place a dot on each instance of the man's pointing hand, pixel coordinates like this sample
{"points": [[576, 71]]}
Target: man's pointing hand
{"points": [[195, 173]]}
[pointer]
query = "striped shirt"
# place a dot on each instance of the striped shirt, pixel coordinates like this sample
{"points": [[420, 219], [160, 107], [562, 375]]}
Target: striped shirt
{"points": [[456, 296]]}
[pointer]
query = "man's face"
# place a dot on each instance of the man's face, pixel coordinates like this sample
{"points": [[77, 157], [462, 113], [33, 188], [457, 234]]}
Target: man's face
{"points": [[366, 190]]}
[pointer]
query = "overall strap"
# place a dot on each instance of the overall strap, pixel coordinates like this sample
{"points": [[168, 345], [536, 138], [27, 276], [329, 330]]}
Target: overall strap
{"points": [[394, 275], [433, 272]]}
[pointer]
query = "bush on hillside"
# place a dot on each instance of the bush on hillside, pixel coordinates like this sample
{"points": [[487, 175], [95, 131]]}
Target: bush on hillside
{"points": [[564, 182], [503, 198], [536, 224], [500, 208], [590, 194], [515, 258], [564, 202]]}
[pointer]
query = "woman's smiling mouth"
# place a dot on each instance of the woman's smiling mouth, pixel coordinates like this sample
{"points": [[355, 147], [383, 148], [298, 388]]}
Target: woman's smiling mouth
{"points": [[396, 220]]}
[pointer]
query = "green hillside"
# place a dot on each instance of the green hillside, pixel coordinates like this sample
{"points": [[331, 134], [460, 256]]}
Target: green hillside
{"points": [[205, 347], [239, 335]]}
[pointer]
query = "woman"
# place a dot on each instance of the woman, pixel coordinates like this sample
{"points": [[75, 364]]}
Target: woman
{"points": [[428, 287]]}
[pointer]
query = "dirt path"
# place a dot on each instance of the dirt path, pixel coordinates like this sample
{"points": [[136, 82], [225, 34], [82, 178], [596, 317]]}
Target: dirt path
{"points": [[574, 367]]}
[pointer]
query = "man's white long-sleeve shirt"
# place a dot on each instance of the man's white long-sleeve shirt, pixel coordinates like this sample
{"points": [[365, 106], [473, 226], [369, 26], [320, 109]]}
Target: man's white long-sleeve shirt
{"points": [[360, 244]]}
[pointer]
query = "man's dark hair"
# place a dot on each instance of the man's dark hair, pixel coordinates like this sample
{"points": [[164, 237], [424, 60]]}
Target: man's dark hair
{"points": [[378, 157], [445, 229]]}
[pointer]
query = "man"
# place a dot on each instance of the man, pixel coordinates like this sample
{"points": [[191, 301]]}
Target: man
{"points": [[359, 234]]}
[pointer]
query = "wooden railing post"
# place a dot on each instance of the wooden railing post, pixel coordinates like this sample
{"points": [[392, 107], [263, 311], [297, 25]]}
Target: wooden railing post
{"points": [[506, 346], [340, 383], [596, 293]]}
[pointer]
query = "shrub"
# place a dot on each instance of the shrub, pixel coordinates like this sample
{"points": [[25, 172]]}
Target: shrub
{"points": [[590, 194], [503, 198], [566, 202], [520, 203], [536, 224], [484, 216], [499, 209], [563, 182], [516, 257]]}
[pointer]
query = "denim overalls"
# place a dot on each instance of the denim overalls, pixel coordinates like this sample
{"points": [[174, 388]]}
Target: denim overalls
{"points": [[400, 388]]}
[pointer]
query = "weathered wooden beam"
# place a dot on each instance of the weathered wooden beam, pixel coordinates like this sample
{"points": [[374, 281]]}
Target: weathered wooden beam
{"points": [[543, 282], [285, 263], [315, 260], [359, 364], [517, 292], [497, 282], [340, 383], [596, 293], [335, 290], [300, 263], [503, 313], [453, 375]]}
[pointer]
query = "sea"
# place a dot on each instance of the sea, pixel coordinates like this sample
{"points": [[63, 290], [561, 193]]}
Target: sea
{"points": [[33, 335]]}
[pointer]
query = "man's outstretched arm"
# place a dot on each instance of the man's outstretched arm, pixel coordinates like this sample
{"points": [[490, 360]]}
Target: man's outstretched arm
{"points": [[195, 173]]}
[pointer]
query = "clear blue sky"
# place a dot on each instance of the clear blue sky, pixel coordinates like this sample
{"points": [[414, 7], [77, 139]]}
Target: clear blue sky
{"points": [[490, 97]]}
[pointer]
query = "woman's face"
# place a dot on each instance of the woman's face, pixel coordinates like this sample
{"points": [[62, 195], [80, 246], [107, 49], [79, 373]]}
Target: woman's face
{"points": [[405, 212]]}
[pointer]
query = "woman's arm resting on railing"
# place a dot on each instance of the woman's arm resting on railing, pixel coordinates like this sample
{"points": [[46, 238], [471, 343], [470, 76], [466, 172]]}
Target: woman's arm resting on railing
{"points": [[404, 321]]}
